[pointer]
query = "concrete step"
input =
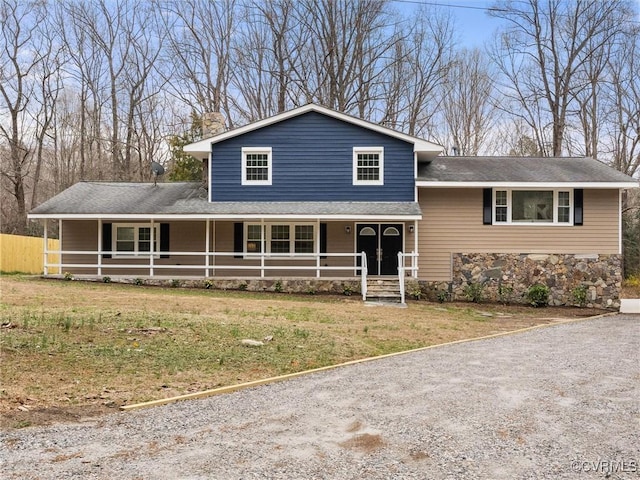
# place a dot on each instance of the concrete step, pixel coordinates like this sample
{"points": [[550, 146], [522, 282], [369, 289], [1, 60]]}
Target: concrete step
{"points": [[383, 290]]}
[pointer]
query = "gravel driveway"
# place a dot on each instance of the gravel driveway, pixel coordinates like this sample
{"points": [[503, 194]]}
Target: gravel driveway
{"points": [[556, 402]]}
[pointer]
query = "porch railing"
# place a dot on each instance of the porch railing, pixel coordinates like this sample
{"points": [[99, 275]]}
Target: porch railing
{"points": [[363, 275], [403, 269], [154, 265]]}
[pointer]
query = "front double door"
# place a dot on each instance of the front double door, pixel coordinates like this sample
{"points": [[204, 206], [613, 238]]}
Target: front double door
{"points": [[381, 243]]}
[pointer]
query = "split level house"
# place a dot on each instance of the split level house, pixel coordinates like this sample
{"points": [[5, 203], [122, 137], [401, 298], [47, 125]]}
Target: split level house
{"points": [[314, 195]]}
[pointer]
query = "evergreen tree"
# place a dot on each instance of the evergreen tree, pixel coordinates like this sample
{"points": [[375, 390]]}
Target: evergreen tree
{"points": [[182, 166]]}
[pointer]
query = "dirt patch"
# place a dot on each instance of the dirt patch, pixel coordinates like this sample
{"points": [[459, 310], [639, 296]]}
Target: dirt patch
{"points": [[51, 415]]}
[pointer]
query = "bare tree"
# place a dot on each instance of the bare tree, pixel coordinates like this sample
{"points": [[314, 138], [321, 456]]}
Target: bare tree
{"points": [[200, 42], [24, 52], [623, 93], [422, 56], [540, 51], [468, 110], [344, 52], [263, 57]]}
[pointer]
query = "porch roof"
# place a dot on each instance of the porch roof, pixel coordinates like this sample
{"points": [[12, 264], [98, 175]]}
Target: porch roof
{"points": [[189, 200]]}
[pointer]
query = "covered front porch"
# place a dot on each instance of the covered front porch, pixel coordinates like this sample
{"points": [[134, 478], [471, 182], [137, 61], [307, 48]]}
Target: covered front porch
{"points": [[248, 248], [253, 247]]}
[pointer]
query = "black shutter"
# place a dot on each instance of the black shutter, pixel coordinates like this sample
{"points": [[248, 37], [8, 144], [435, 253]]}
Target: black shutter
{"points": [[323, 239], [106, 239], [238, 241], [578, 209], [164, 239], [487, 206]]}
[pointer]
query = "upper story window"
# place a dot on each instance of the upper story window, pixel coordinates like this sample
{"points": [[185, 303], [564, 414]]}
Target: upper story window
{"points": [[368, 166], [256, 166], [533, 206], [134, 239]]}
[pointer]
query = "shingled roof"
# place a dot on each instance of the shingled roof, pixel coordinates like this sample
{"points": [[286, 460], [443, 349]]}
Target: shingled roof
{"points": [[514, 170], [113, 200]]}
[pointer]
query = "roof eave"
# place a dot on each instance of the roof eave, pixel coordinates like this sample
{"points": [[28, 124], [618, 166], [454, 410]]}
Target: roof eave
{"points": [[209, 216], [492, 184]]}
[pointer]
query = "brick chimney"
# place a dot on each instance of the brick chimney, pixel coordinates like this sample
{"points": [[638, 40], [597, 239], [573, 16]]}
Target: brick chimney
{"points": [[213, 123]]}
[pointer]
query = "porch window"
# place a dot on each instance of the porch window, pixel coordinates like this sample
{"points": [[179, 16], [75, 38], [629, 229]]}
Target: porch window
{"points": [[256, 166], [254, 238], [532, 206], [281, 239], [134, 239], [304, 239], [368, 166]]}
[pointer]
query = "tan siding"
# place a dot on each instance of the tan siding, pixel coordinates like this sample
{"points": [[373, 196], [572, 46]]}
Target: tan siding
{"points": [[452, 223]]}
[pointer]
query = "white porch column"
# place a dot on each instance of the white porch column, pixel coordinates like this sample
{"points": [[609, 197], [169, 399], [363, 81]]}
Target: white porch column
{"points": [[60, 249], [152, 248], [317, 248], [45, 251], [100, 247], [263, 251], [206, 248], [213, 235], [414, 259]]}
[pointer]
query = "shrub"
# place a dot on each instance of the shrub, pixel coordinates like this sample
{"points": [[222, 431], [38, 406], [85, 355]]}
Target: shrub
{"points": [[538, 295], [175, 283], [347, 290], [68, 276], [243, 286], [414, 290], [278, 287], [207, 284], [138, 281], [442, 296], [474, 292], [505, 294], [580, 295], [106, 279]]}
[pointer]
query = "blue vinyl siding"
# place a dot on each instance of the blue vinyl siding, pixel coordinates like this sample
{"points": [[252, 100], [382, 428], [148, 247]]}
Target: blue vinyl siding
{"points": [[312, 161]]}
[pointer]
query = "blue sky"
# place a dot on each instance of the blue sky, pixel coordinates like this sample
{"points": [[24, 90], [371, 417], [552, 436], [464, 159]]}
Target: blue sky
{"points": [[473, 26]]}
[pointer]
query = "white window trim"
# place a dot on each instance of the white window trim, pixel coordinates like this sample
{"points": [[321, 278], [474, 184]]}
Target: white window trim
{"points": [[266, 240], [380, 152], [554, 223], [136, 253], [268, 151]]}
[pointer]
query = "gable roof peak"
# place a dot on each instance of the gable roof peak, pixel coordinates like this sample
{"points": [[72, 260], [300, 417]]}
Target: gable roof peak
{"points": [[420, 146]]}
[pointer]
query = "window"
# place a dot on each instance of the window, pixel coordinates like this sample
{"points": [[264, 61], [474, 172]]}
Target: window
{"points": [[532, 206], [134, 240], [254, 239], [368, 166], [281, 239], [304, 239], [256, 166]]}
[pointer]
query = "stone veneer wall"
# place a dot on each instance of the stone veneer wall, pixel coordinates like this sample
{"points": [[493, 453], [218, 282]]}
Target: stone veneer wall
{"points": [[562, 273]]}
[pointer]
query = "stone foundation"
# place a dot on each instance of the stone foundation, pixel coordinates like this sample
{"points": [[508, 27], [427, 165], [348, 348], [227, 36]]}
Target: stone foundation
{"points": [[309, 286], [507, 277]]}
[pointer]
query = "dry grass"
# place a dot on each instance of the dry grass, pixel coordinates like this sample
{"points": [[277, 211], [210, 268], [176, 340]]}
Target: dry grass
{"points": [[72, 348]]}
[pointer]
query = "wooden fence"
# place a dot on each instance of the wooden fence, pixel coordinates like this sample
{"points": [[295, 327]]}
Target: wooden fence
{"points": [[25, 254]]}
